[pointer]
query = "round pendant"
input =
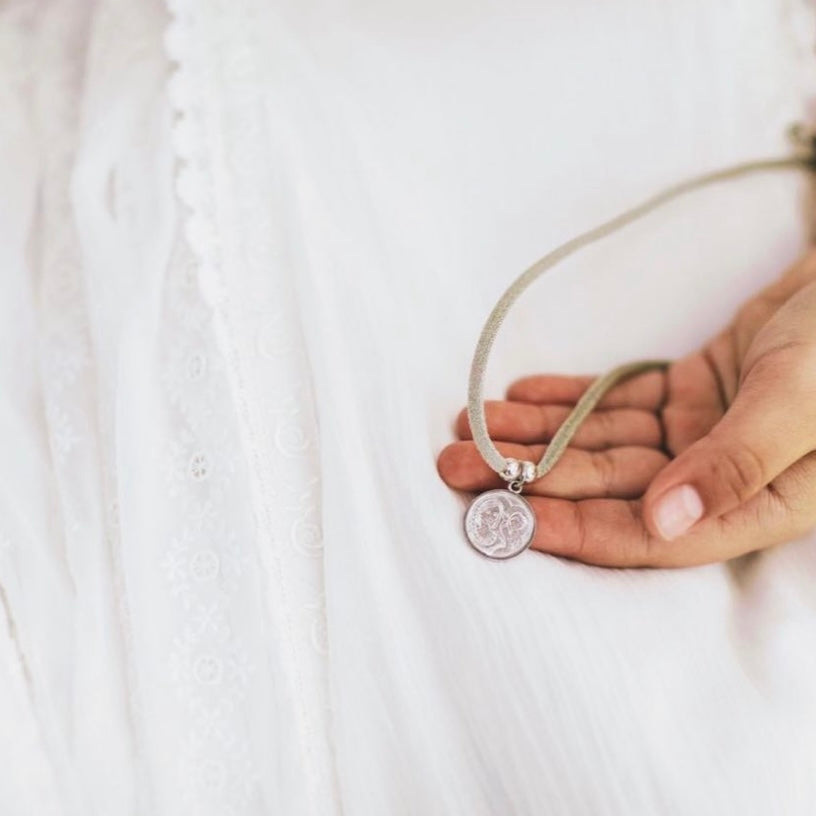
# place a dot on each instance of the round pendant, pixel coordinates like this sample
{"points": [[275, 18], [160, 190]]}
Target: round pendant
{"points": [[500, 524]]}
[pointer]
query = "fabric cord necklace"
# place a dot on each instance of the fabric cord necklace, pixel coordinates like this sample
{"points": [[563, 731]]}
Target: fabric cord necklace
{"points": [[500, 523]]}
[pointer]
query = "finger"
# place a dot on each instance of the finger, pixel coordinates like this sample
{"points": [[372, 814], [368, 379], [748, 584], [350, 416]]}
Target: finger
{"points": [[768, 427], [695, 401], [527, 423], [619, 472], [720, 354], [612, 532], [780, 512], [645, 391], [605, 532]]}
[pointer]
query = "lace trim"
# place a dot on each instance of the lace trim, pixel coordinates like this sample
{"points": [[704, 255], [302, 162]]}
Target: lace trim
{"points": [[222, 181]]}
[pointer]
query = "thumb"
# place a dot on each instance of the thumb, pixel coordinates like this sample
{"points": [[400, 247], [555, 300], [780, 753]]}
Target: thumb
{"points": [[768, 427]]}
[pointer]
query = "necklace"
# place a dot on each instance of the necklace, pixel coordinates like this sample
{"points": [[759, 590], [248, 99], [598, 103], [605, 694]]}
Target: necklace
{"points": [[500, 523]]}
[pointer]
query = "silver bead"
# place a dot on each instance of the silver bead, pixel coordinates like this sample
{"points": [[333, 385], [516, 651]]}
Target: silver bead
{"points": [[528, 472], [512, 470]]}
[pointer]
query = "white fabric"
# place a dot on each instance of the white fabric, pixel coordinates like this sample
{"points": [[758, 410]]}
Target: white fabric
{"points": [[237, 312]]}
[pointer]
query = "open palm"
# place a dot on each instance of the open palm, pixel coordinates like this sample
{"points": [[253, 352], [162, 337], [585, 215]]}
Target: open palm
{"points": [[726, 434]]}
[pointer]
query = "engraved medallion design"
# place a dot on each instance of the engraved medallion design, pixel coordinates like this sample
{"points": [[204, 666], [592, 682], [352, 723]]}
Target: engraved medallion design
{"points": [[500, 524]]}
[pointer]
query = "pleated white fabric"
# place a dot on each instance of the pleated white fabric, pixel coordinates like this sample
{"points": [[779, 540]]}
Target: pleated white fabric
{"points": [[246, 248]]}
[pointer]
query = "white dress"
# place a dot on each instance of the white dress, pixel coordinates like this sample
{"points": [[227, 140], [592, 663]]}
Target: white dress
{"points": [[246, 249]]}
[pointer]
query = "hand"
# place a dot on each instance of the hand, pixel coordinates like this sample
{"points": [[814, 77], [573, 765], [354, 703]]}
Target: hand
{"points": [[710, 459]]}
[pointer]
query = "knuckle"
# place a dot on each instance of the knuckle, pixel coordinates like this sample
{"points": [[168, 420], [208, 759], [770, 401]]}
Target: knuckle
{"points": [[682, 423], [738, 473], [548, 422], [605, 423], [606, 470], [686, 425]]}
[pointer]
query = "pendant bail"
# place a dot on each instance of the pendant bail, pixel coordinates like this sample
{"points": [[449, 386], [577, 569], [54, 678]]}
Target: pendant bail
{"points": [[517, 474]]}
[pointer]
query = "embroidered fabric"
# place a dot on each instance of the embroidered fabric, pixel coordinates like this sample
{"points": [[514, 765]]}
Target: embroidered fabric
{"points": [[230, 582], [234, 226], [189, 575]]}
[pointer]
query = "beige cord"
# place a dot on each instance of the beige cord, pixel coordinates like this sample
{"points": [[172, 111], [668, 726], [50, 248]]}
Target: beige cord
{"points": [[599, 387]]}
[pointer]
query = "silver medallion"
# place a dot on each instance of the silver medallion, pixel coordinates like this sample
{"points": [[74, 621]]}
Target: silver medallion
{"points": [[500, 524]]}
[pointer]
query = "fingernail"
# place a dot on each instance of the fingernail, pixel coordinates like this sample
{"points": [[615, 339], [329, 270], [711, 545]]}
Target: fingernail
{"points": [[677, 510]]}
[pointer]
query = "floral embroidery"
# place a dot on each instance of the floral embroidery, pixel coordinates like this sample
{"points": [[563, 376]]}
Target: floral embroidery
{"points": [[236, 236], [204, 561]]}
